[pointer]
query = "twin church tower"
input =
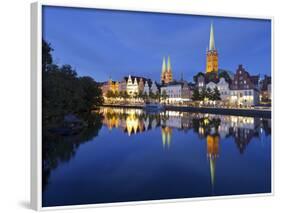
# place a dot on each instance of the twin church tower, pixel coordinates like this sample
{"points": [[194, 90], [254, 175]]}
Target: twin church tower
{"points": [[211, 62]]}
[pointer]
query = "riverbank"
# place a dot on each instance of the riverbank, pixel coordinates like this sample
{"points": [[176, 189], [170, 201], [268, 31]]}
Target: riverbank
{"points": [[222, 111]]}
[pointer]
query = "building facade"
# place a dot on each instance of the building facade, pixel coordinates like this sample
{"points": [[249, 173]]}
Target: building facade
{"points": [[244, 89], [110, 85], [265, 89], [150, 88], [132, 86], [187, 91], [173, 92], [177, 92], [223, 87]]}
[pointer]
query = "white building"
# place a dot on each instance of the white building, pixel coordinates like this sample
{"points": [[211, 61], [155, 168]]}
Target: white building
{"points": [[173, 92], [154, 88], [244, 89], [211, 85], [132, 86], [150, 88], [244, 97], [146, 89], [223, 87]]}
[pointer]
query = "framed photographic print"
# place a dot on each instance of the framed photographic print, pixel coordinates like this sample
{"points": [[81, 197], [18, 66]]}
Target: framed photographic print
{"points": [[137, 105]]}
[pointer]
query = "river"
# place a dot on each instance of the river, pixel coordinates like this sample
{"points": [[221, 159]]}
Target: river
{"points": [[130, 155]]}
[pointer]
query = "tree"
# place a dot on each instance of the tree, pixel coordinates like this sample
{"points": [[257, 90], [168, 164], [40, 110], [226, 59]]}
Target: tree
{"points": [[195, 78], [164, 95], [46, 55], [209, 93], [196, 95], [63, 91], [203, 94], [216, 94], [224, 74], [126, 95], [109, 94], [92, 93], [157, 96], [145, 96]]}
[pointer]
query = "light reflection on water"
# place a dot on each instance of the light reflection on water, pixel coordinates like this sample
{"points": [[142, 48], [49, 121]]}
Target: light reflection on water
{"points": [[195, 154]]}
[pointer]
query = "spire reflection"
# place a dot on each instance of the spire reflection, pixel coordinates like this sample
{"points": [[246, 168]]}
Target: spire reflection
{"points": [[208, 127]]}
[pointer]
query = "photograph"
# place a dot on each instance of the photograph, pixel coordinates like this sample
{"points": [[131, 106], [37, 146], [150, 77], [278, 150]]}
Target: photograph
{"points": [[153, 106]]}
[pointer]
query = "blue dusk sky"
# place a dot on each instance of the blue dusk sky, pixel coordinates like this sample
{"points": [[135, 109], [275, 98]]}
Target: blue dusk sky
{"points": [[104, 43]]}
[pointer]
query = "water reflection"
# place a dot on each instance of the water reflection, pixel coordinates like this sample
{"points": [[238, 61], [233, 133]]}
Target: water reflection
{"points": [[59, 148], [209, 127], [127, 150], [135, 121]]}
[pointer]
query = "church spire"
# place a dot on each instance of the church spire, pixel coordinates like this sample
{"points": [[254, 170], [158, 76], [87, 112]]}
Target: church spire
{"points": [[169, 68], [212, 38], [163, 66]]}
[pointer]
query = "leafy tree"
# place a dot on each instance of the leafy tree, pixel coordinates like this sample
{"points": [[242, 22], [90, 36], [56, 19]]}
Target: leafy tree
{"points": [[92, 96], [203, 94], [145, 96], [209, 93], [164, 95], [63, 91], [224, 74], [195, 78], [109, 94], [216, 94], [196, 95], [157, 96], [212, 76], [46, 55]]}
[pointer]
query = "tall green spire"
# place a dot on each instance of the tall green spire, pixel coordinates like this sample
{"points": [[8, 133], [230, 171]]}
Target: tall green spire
{"points": [[169, 68], [163, 65], [212, 38]]}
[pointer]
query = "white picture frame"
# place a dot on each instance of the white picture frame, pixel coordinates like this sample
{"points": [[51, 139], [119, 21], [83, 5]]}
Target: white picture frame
{"points": [[36, 101]]}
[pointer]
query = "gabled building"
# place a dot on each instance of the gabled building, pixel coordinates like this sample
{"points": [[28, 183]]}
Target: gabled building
{"points": [[223, 87], [244, 89], [265, 89], [187, 91], [150, 87], [173, 92], [177, 92], [110, 85], [134, 84]]}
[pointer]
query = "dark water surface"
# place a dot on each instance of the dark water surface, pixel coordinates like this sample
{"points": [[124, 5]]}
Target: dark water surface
{"points": [[129, 155]]}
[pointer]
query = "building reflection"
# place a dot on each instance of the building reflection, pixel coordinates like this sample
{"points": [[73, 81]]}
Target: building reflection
{"points": [[135, 121], [209, 127], [130, 121]]}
